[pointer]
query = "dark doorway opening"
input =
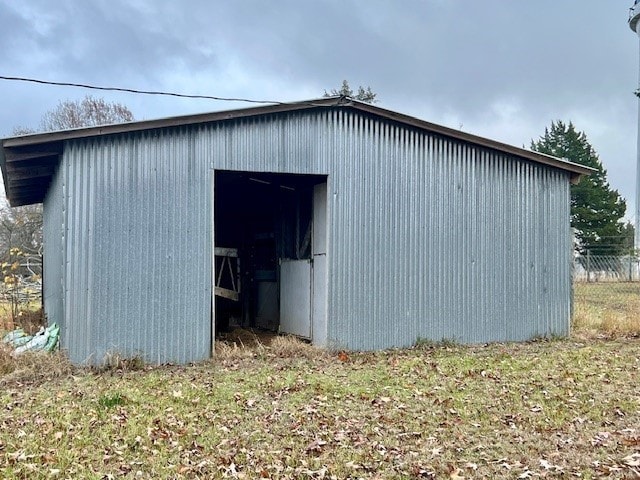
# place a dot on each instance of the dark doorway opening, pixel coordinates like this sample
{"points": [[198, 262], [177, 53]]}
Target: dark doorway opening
{"points": [[261, 221]]}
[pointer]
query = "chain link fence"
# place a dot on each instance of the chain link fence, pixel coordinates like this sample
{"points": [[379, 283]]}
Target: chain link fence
{"points": [[607, 294], [606, 268]]}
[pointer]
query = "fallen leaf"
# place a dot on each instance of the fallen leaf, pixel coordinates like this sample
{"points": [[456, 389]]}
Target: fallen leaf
{"points": [[454, 473], [549, 466], [316, 445], [631, 441], [632, 460], [601, 438]]}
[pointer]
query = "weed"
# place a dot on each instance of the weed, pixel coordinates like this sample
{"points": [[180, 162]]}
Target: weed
{"points": [[115, 362], [245, 344], [31, 367], [225, 350], [289, 346], [425, 343], [428, 344], [449, 342], [611, 309], [111, 400], [549, 337]]}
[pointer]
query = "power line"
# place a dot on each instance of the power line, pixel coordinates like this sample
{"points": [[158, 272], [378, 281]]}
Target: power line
{"points": [[133, 90]]}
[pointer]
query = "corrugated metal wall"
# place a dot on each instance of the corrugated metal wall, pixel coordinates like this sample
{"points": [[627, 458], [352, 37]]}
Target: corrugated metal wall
{"points": [[427, 237], [53, 235], [137, 242], [445, 241]]}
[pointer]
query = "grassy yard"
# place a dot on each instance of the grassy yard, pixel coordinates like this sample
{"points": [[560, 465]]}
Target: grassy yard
{"points": [[551, 409], [564, 408]]}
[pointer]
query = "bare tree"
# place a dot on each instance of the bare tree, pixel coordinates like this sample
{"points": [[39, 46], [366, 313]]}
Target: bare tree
{"points": [[88, 112], [21, 227], [22, 131], [20, 258]]}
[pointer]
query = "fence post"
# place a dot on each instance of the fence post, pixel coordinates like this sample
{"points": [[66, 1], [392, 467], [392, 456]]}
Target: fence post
{"points": [[588, 266]]}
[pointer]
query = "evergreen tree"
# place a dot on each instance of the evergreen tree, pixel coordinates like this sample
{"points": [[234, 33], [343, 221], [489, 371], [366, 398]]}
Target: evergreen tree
{"points": [[363, 95], [596, 208], [628, 235]]}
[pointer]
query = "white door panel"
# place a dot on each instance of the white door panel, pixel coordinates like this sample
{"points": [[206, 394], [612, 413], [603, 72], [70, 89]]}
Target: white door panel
{"points": [[295, 297]]}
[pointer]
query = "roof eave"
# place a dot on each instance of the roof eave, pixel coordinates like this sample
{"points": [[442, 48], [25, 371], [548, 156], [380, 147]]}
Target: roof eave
{"points": [[49, 144], [167, 122]]}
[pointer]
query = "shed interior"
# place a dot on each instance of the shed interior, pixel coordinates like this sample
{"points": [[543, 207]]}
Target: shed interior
{"points": [[263, 230]]}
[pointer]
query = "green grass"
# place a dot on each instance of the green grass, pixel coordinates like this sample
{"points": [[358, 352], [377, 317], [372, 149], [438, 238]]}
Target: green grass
{"points": [[566, 408], [110, 400], [562, 408]]}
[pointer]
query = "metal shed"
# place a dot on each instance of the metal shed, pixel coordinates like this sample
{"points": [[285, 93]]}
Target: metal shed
{"points": [[342, 222]]}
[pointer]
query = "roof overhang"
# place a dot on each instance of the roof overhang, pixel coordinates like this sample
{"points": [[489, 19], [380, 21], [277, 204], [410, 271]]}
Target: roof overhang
{"points": [[28, 162], [27, 171]]}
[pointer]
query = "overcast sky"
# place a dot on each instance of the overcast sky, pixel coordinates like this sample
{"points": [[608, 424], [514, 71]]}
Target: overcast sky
{"points": [[503, 69]]}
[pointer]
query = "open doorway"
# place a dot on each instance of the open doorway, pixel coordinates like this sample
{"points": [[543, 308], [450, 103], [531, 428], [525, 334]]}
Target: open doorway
{"points": [[270, 252]]}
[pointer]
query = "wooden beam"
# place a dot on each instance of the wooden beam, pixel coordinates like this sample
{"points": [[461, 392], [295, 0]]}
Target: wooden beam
{"points": [[20, 200], [18, 156], [226, 252], [30, 172], [226, 293], [38, 162]]}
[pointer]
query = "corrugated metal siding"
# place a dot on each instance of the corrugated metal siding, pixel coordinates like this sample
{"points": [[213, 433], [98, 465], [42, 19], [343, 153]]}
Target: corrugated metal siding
{"points": [[444, 241], [427, 237], [53, 235], [137, 270]]}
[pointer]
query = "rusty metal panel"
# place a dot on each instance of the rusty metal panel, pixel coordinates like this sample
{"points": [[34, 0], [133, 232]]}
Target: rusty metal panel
{"points": [[428, 236]]}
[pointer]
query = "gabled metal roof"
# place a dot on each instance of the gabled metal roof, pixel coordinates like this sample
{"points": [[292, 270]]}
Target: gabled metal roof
{"points": [[28, 162]]}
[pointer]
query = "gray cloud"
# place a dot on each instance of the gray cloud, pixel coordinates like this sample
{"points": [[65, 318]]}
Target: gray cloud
{"points": [[498, 68]]}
